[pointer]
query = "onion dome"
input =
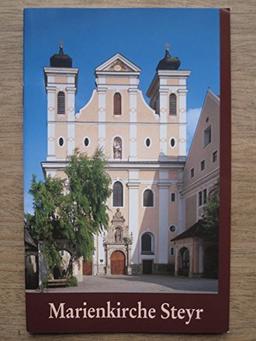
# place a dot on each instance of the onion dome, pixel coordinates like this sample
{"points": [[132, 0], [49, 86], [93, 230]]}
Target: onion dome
{"points": [[168, 62], [60, 59]]}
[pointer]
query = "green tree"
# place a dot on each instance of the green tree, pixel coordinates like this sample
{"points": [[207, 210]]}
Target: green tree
{"points": [[44, 224], [210, 225], [211, 216], [71, 210], [84, 209]]}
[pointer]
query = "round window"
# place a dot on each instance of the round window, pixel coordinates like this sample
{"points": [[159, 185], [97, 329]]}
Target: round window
{"points": [[172, 142], [86, 142], [61, 141], [147, 142], [172, 228]]}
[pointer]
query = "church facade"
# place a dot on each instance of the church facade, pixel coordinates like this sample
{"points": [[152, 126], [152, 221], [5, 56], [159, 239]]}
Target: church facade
{"points": [[145, 148]]}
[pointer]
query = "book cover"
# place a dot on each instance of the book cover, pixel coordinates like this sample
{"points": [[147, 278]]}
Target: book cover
{"points": [[127, 137]]}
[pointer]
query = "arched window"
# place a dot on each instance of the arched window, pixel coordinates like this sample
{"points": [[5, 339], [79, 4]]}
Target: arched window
{"points": [[117, 148], [61, 102], [117, 104], [148, 198], [173, 104], [147, 243], [118, 194]]}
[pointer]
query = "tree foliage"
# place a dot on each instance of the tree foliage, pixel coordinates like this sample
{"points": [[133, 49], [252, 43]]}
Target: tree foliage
{"points": [[211, 234], [211, 216], [71, 210], [84, 209]]}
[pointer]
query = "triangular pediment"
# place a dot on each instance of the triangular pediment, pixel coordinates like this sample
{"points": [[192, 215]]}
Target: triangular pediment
{"points": [[118, 63]]}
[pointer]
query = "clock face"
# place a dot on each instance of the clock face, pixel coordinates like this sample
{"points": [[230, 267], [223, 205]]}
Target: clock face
{"points": [[117, 67]]}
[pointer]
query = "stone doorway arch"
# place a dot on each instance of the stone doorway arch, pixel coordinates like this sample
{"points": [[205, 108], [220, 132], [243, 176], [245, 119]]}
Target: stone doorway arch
{"points": [[117, 263], [184, 262]]}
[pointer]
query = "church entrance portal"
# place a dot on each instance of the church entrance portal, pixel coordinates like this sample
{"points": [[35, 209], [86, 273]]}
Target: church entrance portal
{"points": [[117, 263], [184, 262], [87, 268]]}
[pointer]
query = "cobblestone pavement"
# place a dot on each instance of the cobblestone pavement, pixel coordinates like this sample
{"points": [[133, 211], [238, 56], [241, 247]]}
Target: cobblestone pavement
{"points": [[142, 283]]}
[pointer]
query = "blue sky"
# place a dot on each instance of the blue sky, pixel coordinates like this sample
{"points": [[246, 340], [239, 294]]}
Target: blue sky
{"points": [[90, 37]]}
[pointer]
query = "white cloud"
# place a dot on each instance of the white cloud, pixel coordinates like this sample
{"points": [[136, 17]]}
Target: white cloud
{"points": [[192, 118]]}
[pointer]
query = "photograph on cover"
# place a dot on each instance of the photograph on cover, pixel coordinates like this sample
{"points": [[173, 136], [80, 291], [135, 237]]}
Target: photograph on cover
{"points": [[121, 150]]}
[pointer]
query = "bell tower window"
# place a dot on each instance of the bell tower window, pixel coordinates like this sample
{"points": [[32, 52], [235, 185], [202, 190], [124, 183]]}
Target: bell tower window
{"points": [[172, 104], [61, 102], [117, 104]]}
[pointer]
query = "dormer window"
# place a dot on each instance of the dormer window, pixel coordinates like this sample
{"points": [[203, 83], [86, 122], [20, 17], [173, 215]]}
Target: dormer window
{"points": [[117, 104], [61, 103], [172, 105], [207, 136]]}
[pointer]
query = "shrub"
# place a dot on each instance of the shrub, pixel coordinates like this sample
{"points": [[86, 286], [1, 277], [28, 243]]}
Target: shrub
{"points": [[72, 281]]}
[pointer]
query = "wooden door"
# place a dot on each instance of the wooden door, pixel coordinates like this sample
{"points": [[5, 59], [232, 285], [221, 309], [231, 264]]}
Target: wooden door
{"points": [[117, 263], [87, 268], [147, 266]]}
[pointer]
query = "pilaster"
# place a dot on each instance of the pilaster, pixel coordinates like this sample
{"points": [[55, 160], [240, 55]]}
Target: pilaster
{"points": [[101, 117], [70, 120], [133, 127], [163, 239], [51, 110], [163, 104], [133, 188], [182, 105]]}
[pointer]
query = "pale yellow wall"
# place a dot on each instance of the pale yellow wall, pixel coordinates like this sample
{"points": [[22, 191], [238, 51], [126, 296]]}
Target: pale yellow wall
{"points": [[61, 131], [61, 79], [148, 131], [144, 112], [90, 111], [172, 81], [117, 80], [60, 174], [148, 175], [173, 174], [191, 209], [148, 216], [89, 130], [173, 206], [173, 132], [198, 152]]}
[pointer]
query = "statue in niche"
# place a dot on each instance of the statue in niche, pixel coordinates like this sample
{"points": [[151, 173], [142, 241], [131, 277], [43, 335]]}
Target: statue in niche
{"points": [[117, 148], [118, 235]]}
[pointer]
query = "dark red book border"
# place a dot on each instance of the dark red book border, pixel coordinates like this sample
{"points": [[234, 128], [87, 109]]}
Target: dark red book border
{"points": [[216, 306]]}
